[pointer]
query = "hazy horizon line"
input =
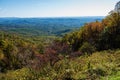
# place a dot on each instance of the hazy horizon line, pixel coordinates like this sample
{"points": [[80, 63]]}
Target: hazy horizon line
{"points": [[54, 17]]}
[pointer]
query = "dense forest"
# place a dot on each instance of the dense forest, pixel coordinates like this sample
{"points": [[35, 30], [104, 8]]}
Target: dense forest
{"points": [[90, 53]]}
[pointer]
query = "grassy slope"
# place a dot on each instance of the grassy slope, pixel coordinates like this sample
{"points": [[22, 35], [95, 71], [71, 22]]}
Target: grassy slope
{"points": [[98, 66]]}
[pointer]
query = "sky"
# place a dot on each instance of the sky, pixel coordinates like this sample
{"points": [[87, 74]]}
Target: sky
{"points": [[55, 8]]}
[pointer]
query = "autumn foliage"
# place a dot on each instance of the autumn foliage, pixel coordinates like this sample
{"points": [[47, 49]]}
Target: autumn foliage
{"points": [[16, 52], [100, 35]]}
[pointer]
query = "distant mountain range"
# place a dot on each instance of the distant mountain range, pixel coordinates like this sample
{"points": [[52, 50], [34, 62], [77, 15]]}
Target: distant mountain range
{"points": [[44, 26]]}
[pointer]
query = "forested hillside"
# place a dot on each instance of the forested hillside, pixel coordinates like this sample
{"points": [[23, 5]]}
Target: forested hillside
{"points": [[90, 53], [97, 35]]}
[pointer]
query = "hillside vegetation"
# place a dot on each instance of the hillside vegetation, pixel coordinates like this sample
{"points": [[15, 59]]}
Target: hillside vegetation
{"points": [[90, 53], [98, 35]]}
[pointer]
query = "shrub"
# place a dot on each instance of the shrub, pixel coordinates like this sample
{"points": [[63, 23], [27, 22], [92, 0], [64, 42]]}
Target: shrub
{"points": [[87, 48]]}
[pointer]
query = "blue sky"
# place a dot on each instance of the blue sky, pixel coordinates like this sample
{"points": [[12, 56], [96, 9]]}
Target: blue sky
{"points": [[55, 8]]}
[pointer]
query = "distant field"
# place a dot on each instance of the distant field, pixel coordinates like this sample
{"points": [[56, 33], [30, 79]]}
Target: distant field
{"points": [[44, 26]]}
